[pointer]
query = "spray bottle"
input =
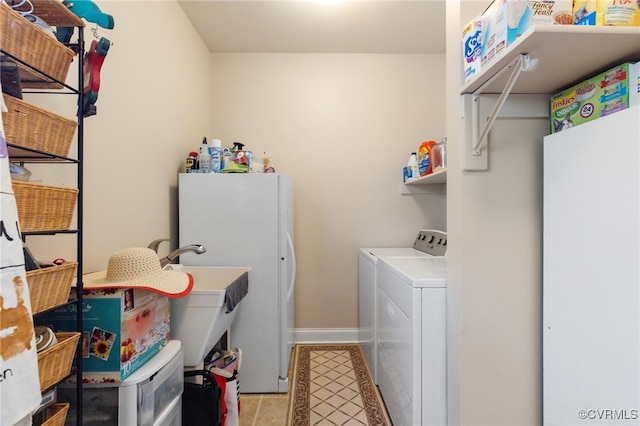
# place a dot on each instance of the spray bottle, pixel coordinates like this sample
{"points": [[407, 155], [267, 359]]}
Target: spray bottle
{"points": [[216, 155], [204, 158]]}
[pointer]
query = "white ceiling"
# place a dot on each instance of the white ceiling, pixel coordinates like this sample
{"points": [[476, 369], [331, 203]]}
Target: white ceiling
{"points": [[307, 26]]}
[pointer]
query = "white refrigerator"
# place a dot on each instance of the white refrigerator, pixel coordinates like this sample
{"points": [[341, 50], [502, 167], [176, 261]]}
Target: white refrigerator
{"points": [[247, 220], [591, 273]]}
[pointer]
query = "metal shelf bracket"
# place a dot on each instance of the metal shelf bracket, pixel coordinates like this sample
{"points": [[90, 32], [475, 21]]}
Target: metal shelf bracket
{"points": [[522, 63]]}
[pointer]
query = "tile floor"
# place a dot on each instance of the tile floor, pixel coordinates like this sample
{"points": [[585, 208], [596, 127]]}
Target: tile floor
{"points": [[263, 409], [331, 378]]}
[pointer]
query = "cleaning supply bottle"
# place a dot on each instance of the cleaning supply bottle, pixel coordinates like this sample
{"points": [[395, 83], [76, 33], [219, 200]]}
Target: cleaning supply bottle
{"points": [[192, 162], [216, 155], [439, 153], [268, 163], [425, 159], [412, 164], [204, 158], [227, 157], [240, 157]]}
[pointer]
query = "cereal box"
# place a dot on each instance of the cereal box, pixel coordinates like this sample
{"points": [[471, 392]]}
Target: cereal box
{"points": [[506, 20], [604, 94], [122, 330], [607, 12], [471, 46]]}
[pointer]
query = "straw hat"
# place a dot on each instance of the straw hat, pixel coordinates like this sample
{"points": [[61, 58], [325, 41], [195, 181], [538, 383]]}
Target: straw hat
{"points": [[138, 267]]}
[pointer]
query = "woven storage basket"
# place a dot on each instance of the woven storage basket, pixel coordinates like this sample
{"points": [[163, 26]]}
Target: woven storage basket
{"points": [[56, 415], [44, 208], [50, 287], [31, 127], [24, 40], [54, 363]]}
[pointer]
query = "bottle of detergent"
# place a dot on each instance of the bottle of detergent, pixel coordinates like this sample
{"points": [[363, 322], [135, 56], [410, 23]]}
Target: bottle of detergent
{"points": [[216, 155], [412, 165], [204, 158], [425, 160]]}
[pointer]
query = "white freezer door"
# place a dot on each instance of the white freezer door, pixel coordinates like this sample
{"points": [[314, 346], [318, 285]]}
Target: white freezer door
{"points": [[287, 284], [236, 218]]}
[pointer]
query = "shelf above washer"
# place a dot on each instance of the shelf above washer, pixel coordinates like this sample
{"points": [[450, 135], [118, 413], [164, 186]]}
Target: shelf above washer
{"points": [[433, 178], [434, 183]]}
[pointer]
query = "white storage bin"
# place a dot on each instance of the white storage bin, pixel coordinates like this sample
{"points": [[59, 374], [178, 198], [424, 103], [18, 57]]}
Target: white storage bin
{"points": [[152, 396]]}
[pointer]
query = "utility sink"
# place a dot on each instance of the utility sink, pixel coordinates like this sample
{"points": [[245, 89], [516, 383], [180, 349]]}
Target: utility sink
{"points": [[200, 319]]}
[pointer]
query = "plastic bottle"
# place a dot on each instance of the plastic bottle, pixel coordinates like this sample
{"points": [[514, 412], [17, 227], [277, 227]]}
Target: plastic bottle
{"points": [[204, 158], [412, 164], [424, 157], [267, 163], [227, 157], [238, 148], [439, 153], [216, 155], [191, 163]]}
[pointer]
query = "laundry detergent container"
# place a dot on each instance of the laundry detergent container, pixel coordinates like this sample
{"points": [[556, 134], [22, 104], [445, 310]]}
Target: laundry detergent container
{"points": [[202, 317]]}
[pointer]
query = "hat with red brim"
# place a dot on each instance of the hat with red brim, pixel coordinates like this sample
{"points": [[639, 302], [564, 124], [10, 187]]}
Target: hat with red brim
{"points": [[138, 267]]}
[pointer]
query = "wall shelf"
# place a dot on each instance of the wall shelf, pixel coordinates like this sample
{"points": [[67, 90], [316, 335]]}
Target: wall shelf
{"points": [[566, 54], [434, 183], [434, 178], [553, 57]]}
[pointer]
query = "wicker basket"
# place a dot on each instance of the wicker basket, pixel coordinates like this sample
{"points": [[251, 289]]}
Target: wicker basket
{"points": [[50, 287], [56, 415], [31, 127], [24, 40], [54, 363], [44, 208]]}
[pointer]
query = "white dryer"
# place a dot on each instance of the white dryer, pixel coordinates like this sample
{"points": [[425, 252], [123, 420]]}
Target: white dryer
{"points": [[368, 286], [411, 347]]}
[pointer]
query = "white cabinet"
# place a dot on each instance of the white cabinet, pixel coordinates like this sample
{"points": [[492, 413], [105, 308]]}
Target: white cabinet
{"points": [[591, 238]]}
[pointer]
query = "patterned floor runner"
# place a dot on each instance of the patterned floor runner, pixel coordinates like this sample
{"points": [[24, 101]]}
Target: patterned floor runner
{"points": [[331, 385]]}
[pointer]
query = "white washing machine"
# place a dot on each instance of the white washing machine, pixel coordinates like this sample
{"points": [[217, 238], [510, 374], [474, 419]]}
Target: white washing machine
{"points": [[368, 287], [411, 347]]}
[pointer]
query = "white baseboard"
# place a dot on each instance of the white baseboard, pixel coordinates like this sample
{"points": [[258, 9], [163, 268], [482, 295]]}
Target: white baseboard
{"points": [[326, 335]]}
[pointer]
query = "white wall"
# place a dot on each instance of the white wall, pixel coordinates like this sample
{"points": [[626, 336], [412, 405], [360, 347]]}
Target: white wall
{"points": [[494, 262], [342, 125], [154, 103]]}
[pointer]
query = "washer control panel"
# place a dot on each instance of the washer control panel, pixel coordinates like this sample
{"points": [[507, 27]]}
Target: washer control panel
{"points": [[431, 242]]}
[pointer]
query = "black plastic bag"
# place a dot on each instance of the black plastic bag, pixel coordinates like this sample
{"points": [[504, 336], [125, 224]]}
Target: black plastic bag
{"points": [[201, 403], [10, 77]]}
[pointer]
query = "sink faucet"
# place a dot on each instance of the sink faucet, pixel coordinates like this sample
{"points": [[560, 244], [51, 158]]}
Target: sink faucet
{"points": [[153, 245], [192, 248]]}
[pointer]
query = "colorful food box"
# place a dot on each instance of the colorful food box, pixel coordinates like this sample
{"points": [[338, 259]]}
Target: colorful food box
{"points": [[606, 12], [506, 20], [604, 94], [122, 330]]}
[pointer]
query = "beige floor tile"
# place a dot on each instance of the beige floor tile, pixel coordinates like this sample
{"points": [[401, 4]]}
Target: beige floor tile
{"points": [[273, 411], [248, 409], [263, 409]]}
